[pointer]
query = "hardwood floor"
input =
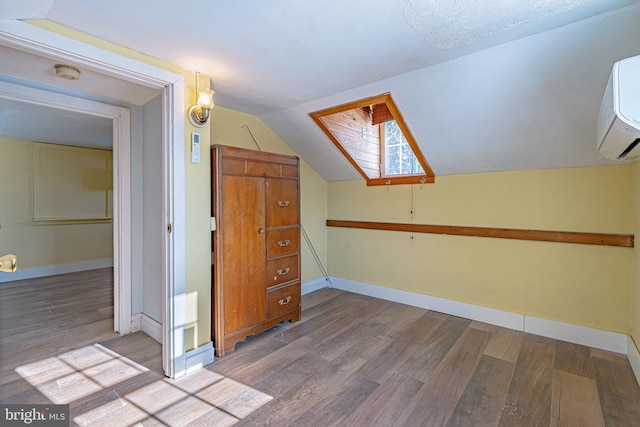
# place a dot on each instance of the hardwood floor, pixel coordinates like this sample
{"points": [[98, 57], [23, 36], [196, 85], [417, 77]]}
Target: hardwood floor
{"points": [[351, 361]]}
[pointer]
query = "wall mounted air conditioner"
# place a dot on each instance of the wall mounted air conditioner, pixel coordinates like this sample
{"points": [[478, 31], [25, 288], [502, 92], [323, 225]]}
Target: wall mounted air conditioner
{"points": [[618, 126]]}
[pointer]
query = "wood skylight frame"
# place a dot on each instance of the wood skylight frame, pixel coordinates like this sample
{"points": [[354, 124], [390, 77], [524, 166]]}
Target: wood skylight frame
{"points": [[359, 150]]}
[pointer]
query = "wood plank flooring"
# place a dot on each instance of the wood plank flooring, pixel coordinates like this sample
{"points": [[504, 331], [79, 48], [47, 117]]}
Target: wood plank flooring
{"points": [[351, 361]]}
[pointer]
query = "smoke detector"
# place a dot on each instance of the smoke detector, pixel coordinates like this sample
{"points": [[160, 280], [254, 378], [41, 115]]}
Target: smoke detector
{"points": [[67, 72]]}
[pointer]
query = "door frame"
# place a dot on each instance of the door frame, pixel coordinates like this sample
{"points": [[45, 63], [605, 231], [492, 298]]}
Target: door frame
{"points": [[32, 39], [121, 188]]}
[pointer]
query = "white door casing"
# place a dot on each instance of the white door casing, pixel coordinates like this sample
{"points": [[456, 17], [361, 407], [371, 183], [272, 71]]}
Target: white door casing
{"points": [[19, 35], [121, 179]]}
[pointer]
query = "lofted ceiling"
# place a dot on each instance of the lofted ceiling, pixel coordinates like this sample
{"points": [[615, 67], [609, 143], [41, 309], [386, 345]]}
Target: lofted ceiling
{"points": [[484, 85]]}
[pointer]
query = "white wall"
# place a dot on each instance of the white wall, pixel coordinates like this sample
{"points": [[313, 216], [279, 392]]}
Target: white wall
{"points": [[146, 209], [136, 209], [152, 227]]}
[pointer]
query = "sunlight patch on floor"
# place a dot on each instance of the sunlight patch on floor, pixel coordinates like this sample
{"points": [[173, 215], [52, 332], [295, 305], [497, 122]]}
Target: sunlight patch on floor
{"points": [[79, 373], [103, 383], [114, 412], [234, 398]]}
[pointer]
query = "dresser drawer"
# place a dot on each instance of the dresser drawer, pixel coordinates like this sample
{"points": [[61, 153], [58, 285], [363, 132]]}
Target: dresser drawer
{"points": [[282, 270], [282, 300], [282, 202], [283, 242]]}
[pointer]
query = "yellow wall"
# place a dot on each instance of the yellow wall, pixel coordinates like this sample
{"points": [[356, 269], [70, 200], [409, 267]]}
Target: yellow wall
{"points": [[198, 234], [580, 284], [635, 287], [226, 129], [41, 245]]}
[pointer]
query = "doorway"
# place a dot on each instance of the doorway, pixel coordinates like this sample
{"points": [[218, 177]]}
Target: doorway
{"points": [[121, 183], [33, 40]]}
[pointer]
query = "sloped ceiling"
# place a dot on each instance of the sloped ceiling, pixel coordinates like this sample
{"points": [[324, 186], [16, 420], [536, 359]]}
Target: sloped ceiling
{"points": [[483, 85]]}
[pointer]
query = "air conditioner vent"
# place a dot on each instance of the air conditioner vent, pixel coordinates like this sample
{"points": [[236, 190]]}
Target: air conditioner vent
{"points": [[631, 146]]}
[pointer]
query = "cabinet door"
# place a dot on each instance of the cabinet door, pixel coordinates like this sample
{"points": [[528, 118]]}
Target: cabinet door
{"points": [[282, 202], [242, 224]]}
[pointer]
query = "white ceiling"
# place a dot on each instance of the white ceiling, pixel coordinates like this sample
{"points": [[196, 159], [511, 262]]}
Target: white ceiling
{"points": [[483, 84], [29, 122], [26, 66]]}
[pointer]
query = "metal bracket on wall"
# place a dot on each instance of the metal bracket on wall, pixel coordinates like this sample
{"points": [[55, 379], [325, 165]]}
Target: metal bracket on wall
{"points": [[251, 133], [304, 233], [315, 255]]}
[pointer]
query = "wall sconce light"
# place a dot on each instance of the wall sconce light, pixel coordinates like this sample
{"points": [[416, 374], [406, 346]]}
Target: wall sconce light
{"points": [[199, 113]]}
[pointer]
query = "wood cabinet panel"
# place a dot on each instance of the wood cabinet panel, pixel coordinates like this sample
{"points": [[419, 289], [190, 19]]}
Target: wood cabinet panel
{"points": [[233, 166], [282, 202], [256, 261], [289, 171], [263, 169], [240, 222], [257, 168], [282, 270]]}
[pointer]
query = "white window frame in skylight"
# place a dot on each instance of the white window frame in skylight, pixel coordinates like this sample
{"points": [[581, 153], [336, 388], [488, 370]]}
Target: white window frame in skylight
{"points": [[380, 108], [404, 149]]}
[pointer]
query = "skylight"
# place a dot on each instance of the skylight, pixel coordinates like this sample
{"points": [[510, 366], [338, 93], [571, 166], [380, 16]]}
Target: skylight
{"points": [[373, 136], [398, 155]]}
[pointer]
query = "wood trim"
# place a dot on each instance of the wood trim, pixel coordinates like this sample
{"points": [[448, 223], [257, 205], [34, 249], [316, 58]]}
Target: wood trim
{"points": [[386, 99], [406, 179], [318, 119], [621, 240], [228, 151], [397, 115]]}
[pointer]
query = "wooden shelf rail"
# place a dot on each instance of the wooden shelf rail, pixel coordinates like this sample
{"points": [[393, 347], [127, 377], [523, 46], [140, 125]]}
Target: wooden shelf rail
{"points": [[622, 240]]}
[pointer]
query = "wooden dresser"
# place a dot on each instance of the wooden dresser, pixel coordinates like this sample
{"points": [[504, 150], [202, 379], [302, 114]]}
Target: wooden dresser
{"points": [[255, 199]]}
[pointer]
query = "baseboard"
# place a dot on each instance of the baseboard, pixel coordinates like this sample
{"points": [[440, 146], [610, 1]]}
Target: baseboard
{"points": [[442, 305], [592, 337], [148, 325], [151, 327], [634, 357], [52, 270], [136, 322], [199, 357], [314, 285]]}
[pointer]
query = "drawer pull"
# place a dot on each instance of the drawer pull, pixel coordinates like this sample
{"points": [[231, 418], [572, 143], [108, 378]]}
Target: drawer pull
{"points": [[285, 301], [283, 271], [283, 243], [283, 203]]}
